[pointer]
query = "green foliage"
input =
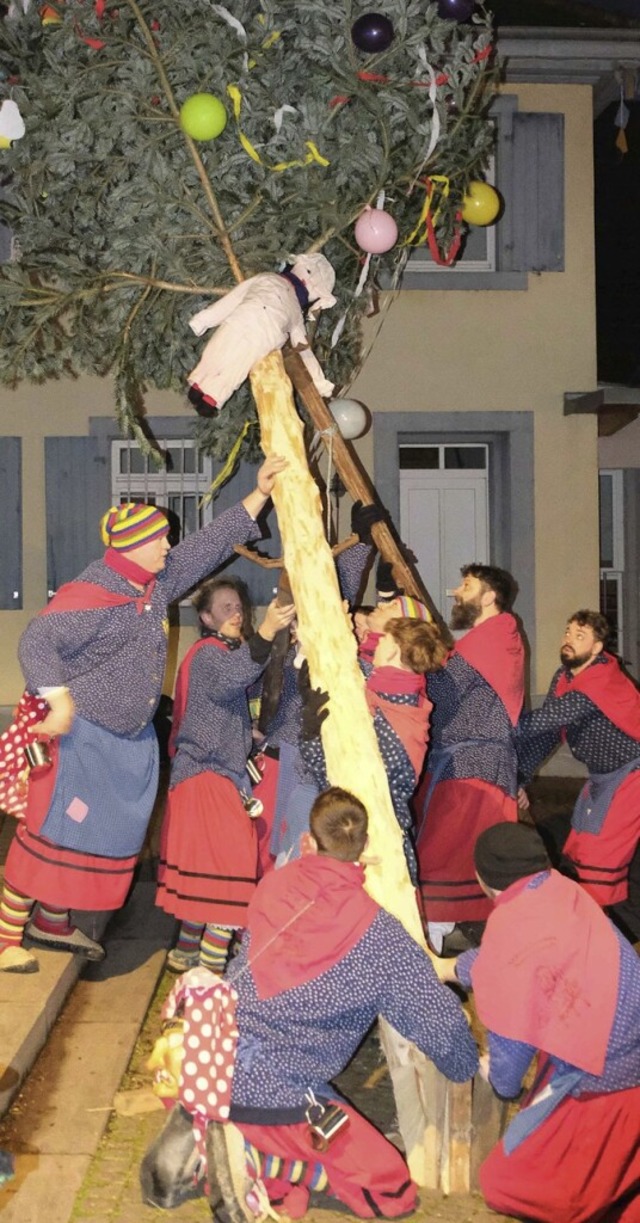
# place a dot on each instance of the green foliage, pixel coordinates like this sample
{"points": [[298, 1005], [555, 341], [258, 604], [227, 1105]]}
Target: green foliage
{"points": [[126, 227]]}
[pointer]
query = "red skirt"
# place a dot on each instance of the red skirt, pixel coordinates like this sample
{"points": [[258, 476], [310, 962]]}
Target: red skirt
{"points": [[266, 791], [458, 812], [208, 853], [64, 878], [602, 860], [581, 1166], [364, 1170]]}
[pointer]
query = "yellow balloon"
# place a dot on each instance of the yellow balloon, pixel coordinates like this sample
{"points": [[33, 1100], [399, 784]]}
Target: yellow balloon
{"points": [[202, 116], [481, 204]]}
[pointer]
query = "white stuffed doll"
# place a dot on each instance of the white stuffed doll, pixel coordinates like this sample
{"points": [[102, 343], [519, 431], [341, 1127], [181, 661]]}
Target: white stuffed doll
{"points": [[256, 317]]}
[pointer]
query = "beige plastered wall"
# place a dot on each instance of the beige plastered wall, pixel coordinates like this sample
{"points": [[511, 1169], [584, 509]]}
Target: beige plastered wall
{"points": [[439, 351], [449, 351]]}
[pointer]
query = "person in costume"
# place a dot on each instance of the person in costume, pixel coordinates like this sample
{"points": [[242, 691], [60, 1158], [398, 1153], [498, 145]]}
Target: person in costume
{"points": [[405, 652], [471, 774], [209, 847], [595, 708], [97, 655], [553, 976], [289, 787], [320, 960]]}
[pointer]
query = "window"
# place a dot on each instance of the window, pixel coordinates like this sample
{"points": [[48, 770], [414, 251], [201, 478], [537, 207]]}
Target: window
{"points": [[528, 172], [612, 554], [443, 458], [179, 487]]}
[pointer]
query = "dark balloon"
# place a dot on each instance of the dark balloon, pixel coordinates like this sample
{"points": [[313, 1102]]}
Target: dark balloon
{"points": [[456, 10], [372, 32]]}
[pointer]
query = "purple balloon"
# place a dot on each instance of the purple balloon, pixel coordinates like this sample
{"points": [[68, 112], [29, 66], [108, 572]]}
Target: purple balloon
{"points": [[456, 10], [372, 32]]}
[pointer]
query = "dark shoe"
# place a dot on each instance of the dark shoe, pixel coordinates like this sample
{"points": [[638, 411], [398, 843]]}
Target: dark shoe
{"points": [[75, 942], [458, 941]]}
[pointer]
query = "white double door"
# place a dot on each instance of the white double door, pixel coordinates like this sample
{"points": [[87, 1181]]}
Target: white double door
{"points": [[444, 519]]}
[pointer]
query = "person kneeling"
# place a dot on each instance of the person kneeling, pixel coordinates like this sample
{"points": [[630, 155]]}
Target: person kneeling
{"points": [[554, 977], [319, 962]]}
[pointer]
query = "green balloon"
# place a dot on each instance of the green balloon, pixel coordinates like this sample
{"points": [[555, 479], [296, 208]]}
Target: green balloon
{"points": [[203, 117]]}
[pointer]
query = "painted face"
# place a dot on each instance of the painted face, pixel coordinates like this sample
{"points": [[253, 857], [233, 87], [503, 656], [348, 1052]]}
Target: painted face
{"points": [[467, 603], [386, 652], [151, 556], [225, 613], [579, 646]]}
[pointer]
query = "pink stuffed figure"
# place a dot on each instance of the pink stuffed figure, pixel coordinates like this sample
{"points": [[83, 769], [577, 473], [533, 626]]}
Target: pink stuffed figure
{"points": [[256, 317]]}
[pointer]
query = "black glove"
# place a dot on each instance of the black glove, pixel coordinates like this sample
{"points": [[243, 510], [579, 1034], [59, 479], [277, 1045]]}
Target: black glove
{"points": [[386, 584], [314, 713], [304, 679], [363, 518]]}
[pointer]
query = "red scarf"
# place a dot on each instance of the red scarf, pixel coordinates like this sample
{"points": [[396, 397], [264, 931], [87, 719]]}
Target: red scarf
{"points": [[410, 722], [88, 596], [303, 919], [547, 971], [182, 686], [611, 691], [495, 650], [367, 647]]}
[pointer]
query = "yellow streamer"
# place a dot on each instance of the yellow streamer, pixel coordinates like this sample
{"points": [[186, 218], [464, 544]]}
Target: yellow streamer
{"points": [[223, 475], [313, 153], [436, 180]]}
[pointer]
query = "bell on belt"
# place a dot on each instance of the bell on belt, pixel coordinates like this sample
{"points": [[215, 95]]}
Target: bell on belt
{"points": [[37, 754]]}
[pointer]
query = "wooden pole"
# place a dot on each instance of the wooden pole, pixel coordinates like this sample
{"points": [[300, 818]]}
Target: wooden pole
{"points": [[350, 745], [357, 482]]}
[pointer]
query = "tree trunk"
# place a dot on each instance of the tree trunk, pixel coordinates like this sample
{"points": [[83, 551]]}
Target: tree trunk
{"points": [[349, 740]]}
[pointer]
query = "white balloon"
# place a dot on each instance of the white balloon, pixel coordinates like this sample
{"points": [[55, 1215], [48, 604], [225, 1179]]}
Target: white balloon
{"points": [[350, 416]]}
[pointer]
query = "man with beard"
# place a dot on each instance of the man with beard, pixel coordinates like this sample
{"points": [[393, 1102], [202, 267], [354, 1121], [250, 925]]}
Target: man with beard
{"points": [[470, 782], [595, 708]]}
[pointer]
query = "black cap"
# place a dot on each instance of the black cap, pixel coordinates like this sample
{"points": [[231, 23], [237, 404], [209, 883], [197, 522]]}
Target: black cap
{"points": [[508, 852]]}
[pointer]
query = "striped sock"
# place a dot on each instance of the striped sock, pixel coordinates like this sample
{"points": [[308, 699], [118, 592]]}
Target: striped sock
{"points": [[14, 915], [214, 948], [189, 936], [52, 920], [294, 1171]]}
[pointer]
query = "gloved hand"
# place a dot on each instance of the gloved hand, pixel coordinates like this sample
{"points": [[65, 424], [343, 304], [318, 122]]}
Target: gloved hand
{"points": [[363, 518], [386, 584], [304, 680], [314, 713]]}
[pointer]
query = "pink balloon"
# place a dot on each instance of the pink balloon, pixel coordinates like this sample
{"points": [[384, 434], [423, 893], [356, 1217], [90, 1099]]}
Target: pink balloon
{"points": [[376, 231]]}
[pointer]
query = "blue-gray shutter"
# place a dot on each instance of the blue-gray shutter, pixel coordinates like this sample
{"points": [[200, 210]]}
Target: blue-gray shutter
{"points": [[11, 523], [535, 196], [7, 249], [78, 491], [260, 581]]}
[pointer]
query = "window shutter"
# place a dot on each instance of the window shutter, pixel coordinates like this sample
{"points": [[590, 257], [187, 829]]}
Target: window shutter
{"points": [[11, 523], [536, 193], [78, 492]]}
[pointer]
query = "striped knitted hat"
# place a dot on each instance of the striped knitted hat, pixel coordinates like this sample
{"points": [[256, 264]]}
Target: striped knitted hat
{"points": [[412, 608], [129, 526]]}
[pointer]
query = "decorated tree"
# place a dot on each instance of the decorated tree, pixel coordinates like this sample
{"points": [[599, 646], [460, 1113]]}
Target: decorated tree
{"points": [[173, 151]]}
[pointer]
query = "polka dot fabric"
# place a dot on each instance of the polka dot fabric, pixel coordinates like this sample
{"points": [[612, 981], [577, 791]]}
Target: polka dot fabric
{"points": [[208, 1007], [13, 764]]}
